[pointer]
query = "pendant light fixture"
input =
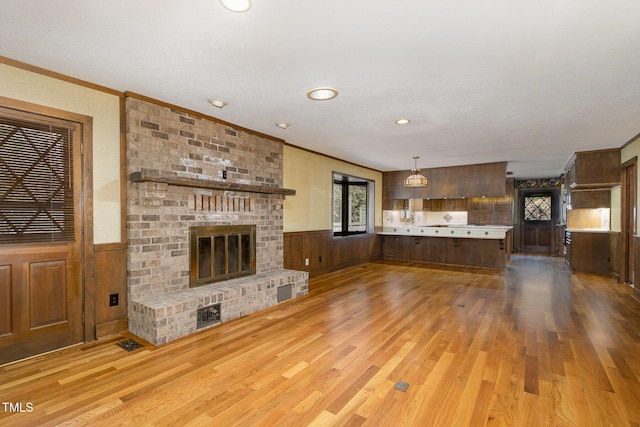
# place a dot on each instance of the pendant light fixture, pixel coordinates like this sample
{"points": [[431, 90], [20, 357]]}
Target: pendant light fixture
{"points": [[415, 179]]}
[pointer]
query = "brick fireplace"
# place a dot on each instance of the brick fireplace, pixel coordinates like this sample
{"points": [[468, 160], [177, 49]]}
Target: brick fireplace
{"points": [[175, 152], [221, 252]]}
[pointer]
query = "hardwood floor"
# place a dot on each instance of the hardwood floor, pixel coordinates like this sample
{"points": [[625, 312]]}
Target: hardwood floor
{"points": [[531, 346]]}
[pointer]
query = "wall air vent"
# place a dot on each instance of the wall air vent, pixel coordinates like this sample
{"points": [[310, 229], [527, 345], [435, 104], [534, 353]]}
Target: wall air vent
{"points": [[284, 292], [208, 316]]}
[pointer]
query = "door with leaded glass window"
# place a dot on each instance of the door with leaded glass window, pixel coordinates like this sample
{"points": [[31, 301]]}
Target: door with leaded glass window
{"points": [[537, 220], [41, 219]]}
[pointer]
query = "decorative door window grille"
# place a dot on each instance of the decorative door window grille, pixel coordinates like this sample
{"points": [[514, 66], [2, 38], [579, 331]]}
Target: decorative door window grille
{"points": [[36, 181], [537, 208]]}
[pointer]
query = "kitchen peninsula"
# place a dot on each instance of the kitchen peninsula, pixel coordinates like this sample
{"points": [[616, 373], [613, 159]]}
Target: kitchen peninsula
{"points": [[486, 246], [464, 217]]}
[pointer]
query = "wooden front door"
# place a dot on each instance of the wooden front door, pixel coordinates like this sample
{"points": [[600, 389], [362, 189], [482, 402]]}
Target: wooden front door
{"points": [[538, 216], [41, 220]]}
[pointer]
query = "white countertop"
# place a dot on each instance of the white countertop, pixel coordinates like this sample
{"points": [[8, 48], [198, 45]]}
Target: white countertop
{"points": [[458, 231], [587, 230]]}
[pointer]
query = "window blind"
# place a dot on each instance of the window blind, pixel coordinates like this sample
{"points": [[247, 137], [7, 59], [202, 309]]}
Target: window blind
{"points": [[36, 182]]}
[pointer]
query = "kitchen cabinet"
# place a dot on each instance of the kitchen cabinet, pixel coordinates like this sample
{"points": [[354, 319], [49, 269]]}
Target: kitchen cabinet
{"points": [[434, 205], [497, 210], [593, 169], [488, 253], [479, 217], [493, 210], [454, 204], [559, 249], [590, 199], [479, 204], [501, 215], [588, 252], [396, 247], [453, 182]]}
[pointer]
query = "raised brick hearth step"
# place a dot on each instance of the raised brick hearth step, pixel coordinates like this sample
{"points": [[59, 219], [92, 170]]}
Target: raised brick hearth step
{"points": [[170, 316]]}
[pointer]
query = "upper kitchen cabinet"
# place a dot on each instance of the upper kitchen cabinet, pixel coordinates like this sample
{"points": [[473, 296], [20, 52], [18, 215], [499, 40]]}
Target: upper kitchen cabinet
{"points": [[492, 210], [453, 182], [591, 199], [593, 169]]}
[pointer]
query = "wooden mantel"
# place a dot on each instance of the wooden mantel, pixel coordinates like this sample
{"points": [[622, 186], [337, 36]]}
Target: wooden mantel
{"points": [[208, 184]]}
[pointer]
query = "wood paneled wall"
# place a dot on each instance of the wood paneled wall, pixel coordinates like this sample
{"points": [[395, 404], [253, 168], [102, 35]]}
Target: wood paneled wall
{"points": [[327, 253], [636, 265], [110, 278], [615, 245]]}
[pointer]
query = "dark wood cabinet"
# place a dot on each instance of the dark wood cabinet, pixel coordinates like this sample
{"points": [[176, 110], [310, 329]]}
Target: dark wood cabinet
{"points": [[394, 247], [559, 241], [501, 215], [488, 253], [497, 210], [590, 199], [589, 252], [454, 204], [479, 217], [454, 182], [478, 204], [589, 175], [476, 252], [432, 205], [593, 169]]}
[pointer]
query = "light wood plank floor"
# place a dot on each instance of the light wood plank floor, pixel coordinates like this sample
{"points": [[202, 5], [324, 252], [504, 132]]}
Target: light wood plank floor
{"points": [[531, 346]]}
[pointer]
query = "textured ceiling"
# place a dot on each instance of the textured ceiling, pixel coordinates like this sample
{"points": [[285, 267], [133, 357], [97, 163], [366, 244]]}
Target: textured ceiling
{"points": [[482, 81]]}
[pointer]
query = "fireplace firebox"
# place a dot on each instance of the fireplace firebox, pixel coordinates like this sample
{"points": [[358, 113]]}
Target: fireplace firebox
{"points": [[221, 252]]}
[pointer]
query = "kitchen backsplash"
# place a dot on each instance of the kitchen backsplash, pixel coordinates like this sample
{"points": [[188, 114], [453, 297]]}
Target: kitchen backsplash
{"points": [[588, 219], [398, 218]]}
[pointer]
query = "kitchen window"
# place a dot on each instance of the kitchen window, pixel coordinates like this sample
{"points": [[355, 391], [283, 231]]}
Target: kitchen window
{"points": [[352, 205]]}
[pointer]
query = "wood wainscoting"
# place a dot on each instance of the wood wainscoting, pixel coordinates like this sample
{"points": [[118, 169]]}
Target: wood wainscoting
{"points": [[327, 253], [110, 279], [636, 266]]}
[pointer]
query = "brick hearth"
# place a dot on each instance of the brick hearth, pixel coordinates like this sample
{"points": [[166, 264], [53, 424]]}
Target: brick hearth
{"points": [[173, 315]]}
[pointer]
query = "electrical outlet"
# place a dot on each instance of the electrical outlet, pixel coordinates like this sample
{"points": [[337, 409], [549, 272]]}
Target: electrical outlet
{"points": [[306, 261], [224, 174], [319, 259], [113, 300]]}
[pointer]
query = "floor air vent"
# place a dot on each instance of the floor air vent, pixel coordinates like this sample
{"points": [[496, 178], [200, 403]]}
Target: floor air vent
{"points": [[284, 292], [130, 345], [208, 316]]}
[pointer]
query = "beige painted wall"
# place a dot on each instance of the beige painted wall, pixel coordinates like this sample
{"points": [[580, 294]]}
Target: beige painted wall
{"points": [[311, 176], [627, 153], [105, 109]]}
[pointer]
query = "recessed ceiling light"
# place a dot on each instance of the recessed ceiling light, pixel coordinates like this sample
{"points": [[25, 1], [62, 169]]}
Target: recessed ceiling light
{"points": [[403, 121], [282, 125], [238, 6], [217, 103], [322, 93]]}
